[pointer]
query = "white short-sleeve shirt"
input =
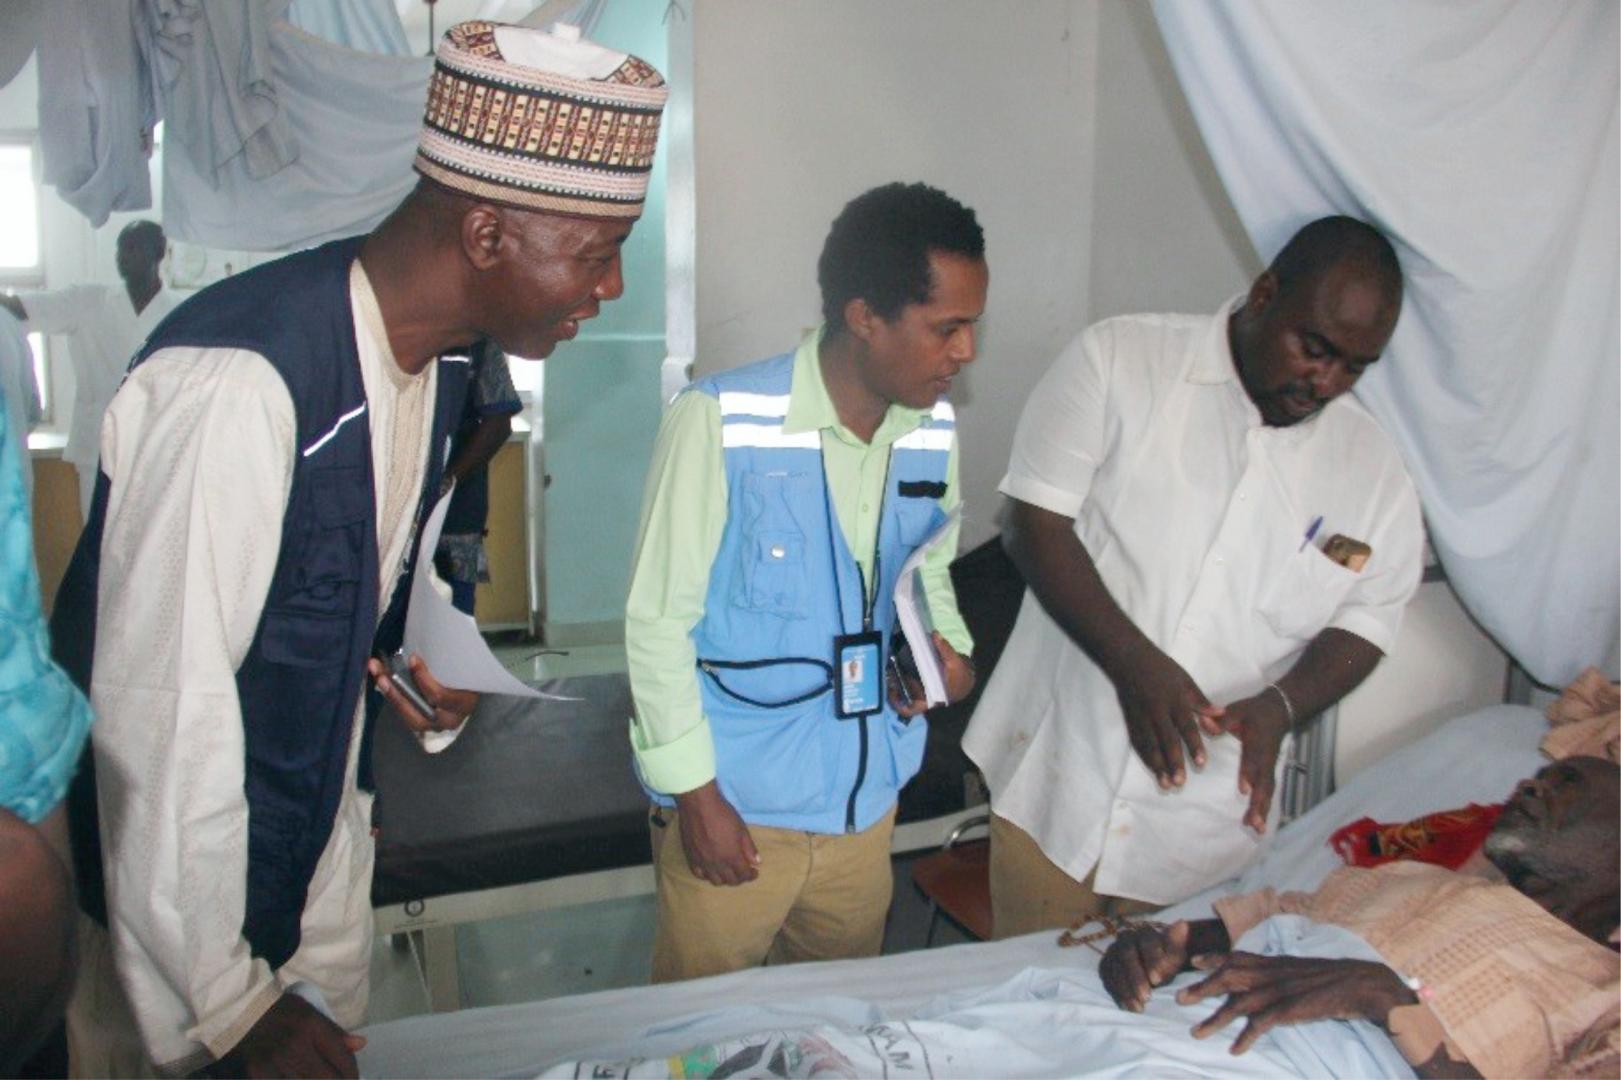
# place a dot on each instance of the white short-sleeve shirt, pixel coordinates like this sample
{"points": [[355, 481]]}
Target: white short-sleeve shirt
{"points": [[1196, 515], [104, 332]]}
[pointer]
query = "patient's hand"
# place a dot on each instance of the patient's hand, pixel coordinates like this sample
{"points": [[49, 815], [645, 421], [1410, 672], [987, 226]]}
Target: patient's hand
{"points": [[717, 843], [451, 707], [1145, 957], [1142, 959], [1273, 990]]}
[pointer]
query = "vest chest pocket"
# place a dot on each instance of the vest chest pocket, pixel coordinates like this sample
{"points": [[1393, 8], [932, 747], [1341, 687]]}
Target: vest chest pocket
{"points": [[329, 556], [915, 519], [772, 548], [317, 592], [774, 573]]}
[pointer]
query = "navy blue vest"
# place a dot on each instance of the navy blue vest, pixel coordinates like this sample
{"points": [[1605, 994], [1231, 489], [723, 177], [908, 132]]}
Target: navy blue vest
{"points": [[305, 670]]}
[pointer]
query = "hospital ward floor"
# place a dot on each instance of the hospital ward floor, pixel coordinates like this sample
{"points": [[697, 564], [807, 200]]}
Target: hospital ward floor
{"points": [[602, 945]]}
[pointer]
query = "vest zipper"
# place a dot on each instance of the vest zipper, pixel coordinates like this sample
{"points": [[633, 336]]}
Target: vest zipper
{"points": [[861, 775]]}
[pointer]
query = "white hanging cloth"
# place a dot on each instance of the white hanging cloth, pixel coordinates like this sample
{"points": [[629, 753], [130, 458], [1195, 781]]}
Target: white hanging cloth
{"points": [[1482, 139], [353, 118], [366, 25], [96, 110]]}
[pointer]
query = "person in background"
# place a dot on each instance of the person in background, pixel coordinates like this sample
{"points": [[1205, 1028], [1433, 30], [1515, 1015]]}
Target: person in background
{"points": [[265, 467], [782, 500], [104, 326], [1216, 540], [492, 401], [44, 720]]}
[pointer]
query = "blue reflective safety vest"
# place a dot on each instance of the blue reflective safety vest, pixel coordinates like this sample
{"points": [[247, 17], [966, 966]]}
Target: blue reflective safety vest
{"points": [[775, 590], [306, 669]]}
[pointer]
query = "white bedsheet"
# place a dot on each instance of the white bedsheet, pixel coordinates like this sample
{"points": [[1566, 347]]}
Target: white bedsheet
{"points": [[1474, 758]]}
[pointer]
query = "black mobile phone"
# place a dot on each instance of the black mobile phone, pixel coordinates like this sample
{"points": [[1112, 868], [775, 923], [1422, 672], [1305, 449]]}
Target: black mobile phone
{"points": [[899, 679], [905, 664], [399, 673]]}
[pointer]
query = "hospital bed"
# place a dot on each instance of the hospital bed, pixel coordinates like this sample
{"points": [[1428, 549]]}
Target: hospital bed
{"points": [[1476, 757]]}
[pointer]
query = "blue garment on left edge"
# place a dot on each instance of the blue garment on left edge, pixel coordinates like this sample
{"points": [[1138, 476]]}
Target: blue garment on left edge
{"points": [[43, 717]]}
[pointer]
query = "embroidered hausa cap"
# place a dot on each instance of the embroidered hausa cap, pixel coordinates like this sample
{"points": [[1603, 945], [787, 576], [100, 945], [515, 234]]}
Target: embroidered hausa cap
{"points": [[541, 120]]}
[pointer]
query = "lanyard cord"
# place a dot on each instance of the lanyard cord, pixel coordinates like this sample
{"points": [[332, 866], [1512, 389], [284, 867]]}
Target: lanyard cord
{"points": [[713, 668], [869, 604]]}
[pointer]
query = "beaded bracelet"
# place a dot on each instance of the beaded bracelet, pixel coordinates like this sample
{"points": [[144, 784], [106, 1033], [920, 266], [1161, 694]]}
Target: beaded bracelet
{"points": [[1110, 927]]}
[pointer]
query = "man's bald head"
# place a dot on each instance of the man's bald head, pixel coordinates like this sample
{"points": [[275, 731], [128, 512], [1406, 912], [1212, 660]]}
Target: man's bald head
{"points": [[1315, 319], [1339, 241]]}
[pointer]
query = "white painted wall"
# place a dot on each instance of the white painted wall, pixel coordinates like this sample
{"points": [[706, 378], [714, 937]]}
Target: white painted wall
{"points": [[1442, 666], [1164, 236]]}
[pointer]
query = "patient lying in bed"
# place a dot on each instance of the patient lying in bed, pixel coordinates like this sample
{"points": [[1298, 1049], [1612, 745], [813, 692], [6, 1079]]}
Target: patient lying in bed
{"points": [[1505, 967]]}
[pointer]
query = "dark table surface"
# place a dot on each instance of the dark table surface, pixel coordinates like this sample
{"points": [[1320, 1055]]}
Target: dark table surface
{"points": [[537, 789]]}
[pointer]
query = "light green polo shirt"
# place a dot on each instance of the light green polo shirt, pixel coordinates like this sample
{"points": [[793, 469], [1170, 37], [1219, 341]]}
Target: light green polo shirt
{"points": [[683, 518]]}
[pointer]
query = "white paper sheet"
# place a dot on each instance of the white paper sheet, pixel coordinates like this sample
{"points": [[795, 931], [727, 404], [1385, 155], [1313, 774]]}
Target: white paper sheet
{"points": [[448, 640], [912, 609]]}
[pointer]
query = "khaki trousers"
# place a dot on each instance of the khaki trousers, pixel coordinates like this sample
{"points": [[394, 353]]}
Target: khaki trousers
{"points": [[1029, 892], [819, 896]]}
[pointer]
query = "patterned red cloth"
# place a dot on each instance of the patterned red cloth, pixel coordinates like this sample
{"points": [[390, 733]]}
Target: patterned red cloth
{"points": [[1446, 838]]}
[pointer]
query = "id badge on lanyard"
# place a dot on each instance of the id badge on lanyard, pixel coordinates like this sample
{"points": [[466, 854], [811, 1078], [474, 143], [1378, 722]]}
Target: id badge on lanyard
{"points": [[858, 659], [858, 674]]}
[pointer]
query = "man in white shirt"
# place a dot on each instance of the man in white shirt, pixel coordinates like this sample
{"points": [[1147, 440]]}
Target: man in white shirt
{"points": [[1180, 490], [104, 326], [265, 468]]}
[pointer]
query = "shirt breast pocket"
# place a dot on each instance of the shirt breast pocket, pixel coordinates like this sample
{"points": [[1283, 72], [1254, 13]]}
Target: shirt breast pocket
{"points": [[772, 546], [1305, 593]]}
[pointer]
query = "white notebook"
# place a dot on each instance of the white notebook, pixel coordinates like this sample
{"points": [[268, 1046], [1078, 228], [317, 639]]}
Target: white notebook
{"points": [[912, 610]]}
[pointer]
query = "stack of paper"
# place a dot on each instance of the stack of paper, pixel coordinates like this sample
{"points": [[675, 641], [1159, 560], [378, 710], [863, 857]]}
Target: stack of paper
{"points": [[912, 610]]}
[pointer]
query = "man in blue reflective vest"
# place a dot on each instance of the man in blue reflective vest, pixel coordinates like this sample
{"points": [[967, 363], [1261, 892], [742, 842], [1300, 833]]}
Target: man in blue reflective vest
{"points": [[783, 498], [264, 470]]}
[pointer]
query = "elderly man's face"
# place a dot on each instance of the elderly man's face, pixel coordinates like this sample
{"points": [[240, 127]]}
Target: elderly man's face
{"points": [[1300, 348], [1557, 841], [555, 273]]}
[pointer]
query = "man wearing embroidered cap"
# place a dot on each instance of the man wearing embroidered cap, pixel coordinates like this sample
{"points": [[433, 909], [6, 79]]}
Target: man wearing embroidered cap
{"points": [[265, 466], [782, 500]]}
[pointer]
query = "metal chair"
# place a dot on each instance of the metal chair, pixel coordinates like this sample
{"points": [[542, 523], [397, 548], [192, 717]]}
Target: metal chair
{"points": [[956, 880]]}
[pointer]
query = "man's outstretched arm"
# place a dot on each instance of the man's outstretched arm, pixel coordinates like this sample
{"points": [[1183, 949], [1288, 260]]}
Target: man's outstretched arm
{"points": [[1161, 703], [1334, 663]]}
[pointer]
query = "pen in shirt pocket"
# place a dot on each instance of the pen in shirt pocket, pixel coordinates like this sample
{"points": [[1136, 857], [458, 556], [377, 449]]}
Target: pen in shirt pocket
{"points": [[1311, 532]]}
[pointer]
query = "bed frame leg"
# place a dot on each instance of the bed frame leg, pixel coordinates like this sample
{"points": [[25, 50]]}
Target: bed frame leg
{"points": [[435, 948]]}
